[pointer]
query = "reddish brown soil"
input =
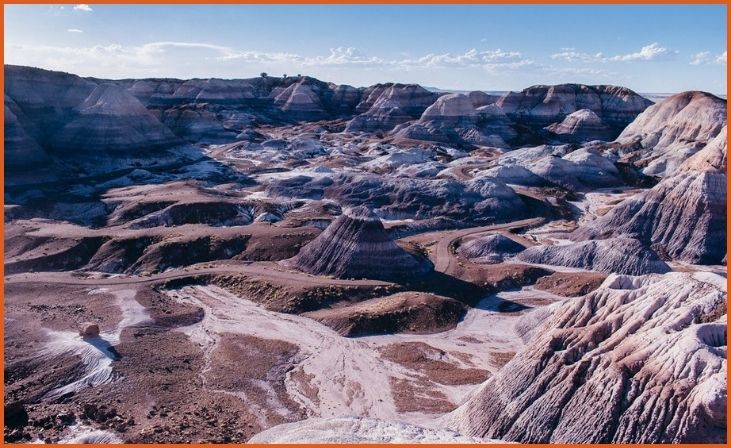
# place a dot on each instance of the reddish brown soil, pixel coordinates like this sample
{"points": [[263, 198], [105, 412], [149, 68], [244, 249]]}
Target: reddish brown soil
{"points": [[289, 297], [407, 312], [501, 276], [34, 246], [432, 362], [158, 396], [242, 362], [417, 396], [570, 284]]}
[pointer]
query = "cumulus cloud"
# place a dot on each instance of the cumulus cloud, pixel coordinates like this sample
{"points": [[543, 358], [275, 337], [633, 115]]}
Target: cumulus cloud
{"points": [[83, 7], [74, 30], [651, 52], [648, 53], [721, 59]]}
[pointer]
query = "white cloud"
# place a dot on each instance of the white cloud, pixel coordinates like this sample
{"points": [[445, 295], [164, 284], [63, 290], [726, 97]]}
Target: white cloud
{"points": [[74, 30], [352, 57], [571, 55], [706, 58], [83, 7], [701, 58], [649, 52], [471, 57], [200, 59]]}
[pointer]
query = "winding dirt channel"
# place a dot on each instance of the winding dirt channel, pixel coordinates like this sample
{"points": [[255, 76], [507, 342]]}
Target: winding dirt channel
{"points": [[333, 376]]}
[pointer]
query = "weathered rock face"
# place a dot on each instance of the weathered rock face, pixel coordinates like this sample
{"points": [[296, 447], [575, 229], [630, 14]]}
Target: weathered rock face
{"points": [[541, 106], [683, 216], [581, 126], [639, 360], [386, 105], [89, 330], [300, 100], [213, 90], [112, 120], [712, 157], [197, 123], [669, 132], [149, 90], [490, 249], [479, 98], [453, 119], [22, 151], [344, 99], [454, 106], [46, 98], [615, 255], [357, 246]]}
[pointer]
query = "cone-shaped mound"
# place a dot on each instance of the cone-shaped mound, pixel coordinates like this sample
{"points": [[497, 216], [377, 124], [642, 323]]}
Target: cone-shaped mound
{"points": [[357, 246], [496, 247]]}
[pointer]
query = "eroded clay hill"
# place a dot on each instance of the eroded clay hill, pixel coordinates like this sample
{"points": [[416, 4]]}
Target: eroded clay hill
{"points": [[640, 360], [357, 246], [684, 216]]}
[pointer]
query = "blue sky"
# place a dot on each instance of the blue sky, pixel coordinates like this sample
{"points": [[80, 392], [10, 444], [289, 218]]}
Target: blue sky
{"points": [[652, 48]]}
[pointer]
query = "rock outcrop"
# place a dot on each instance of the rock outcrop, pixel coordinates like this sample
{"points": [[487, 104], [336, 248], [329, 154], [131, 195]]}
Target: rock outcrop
{"points": [[384, 106], [669, 132], [89, 330], [581, 126], [615, 255], [357, 246], [581, 169], [684, 216], [300, 100], [490, 249], [639, 360], [454, 119]]}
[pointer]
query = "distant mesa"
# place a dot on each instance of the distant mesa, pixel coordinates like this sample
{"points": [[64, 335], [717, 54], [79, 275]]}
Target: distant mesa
{"points": [[357, 246], [543, 105]]}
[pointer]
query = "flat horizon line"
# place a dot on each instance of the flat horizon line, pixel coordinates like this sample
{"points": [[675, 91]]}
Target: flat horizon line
{"points": [[427, 87]]}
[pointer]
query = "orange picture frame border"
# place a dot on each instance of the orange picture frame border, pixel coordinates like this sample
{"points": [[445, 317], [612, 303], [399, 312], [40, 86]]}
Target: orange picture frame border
{"points": [[345, 2]]}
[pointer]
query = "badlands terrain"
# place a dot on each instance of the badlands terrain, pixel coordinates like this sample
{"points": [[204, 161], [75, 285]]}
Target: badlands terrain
{"points": [[281, 259]]}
